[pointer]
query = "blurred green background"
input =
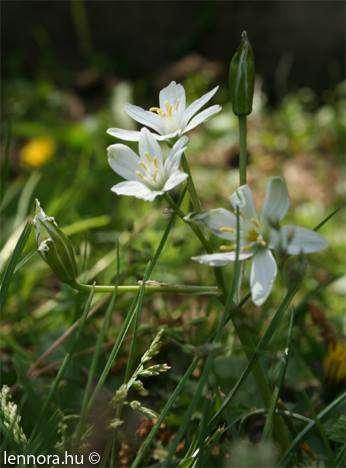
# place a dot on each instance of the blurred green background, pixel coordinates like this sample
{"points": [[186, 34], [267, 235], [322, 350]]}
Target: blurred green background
{"points": [[67, 70]]}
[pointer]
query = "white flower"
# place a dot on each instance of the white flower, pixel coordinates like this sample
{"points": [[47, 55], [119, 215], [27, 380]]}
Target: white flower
{"points": [[149, 174], [172, 118], [259, 234]]}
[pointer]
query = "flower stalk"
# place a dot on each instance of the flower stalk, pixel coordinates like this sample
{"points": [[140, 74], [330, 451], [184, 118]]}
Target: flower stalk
{"points": [[242, 122], [242, 85], [152, 287]]}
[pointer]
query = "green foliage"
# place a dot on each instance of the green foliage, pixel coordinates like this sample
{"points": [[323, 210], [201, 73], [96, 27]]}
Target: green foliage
{"points": [[66, 355]]}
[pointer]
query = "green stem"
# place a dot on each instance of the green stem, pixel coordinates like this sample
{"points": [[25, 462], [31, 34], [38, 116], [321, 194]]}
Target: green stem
{"points": [[309, 427], [246, 340], [196, 229], [152, 287], [172, 399], [242, 149], [190, 185]]}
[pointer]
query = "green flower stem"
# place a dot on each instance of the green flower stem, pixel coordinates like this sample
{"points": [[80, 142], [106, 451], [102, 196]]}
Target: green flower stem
{"points": [[245, 338], [190, 185], [152, 287], [172, 399], [196, 229], [242, 149]]}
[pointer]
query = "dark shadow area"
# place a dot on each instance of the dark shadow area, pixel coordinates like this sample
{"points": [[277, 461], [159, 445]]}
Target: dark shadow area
{"points": [[299, 41]]}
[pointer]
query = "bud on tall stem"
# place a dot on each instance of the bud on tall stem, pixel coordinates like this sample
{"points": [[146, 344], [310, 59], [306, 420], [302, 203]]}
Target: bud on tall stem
{"points": [[242, 83], [54, 246], [242, 77]]}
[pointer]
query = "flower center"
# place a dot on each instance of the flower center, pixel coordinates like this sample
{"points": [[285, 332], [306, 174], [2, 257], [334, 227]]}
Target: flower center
{"points": [[168, 110], [251, 237], [149, 171], [254, 235]]}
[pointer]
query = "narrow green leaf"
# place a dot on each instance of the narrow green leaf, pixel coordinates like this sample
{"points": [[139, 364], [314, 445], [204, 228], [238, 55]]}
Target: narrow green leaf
{"points": [[66, 361], [170, 402], [11, 265], [262, 344], [268, 428], [309, 427]]}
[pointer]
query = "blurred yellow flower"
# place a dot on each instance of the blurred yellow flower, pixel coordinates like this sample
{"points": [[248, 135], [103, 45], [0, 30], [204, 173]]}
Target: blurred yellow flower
{"points": [[37, 151], [334, 363]]}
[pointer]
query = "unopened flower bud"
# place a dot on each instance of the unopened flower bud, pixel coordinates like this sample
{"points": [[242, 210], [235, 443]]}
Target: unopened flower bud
{"points": [[54, 246], [242, 77]]}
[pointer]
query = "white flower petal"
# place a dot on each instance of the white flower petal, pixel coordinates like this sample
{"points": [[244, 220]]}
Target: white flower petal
{"points": [[242, 198], [173, 93], [276, 201], [202, 117], [217, 219], [174, 179], [196, 105], [174, 156], [144, 117], [149, 145], [220, 259], [127, 135], [296, 240], [181, 143], [263, 273], [173, 161], [166, 136], [135, 189], [123, 160]]}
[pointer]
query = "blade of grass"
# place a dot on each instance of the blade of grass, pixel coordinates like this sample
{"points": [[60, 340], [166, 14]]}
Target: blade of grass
{"points": [[320, 430], [262, 344], [65, 363], [93, 366], [59, 341], [309, 427], [202, 433], [327, 218], [170, 402], [25, 198], [13, 261], [341, 458], [25, 260], [190, 184], [268, 428], [208, 364], [134, 309]]}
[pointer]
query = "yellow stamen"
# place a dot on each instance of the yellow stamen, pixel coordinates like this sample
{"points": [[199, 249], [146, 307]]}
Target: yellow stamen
{"points": [[227, 229], [149, 157], [226, 247], [252, 236], [169, 109], [158, 111], [255, 222]]}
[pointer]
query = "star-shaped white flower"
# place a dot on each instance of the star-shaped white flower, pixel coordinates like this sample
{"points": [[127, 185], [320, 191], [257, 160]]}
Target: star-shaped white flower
{"points": [[259, 234], [149, 174], [172, 118]]}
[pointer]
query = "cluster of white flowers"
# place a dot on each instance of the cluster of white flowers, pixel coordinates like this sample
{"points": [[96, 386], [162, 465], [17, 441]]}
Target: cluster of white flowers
{"points": [[150, 173]]}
